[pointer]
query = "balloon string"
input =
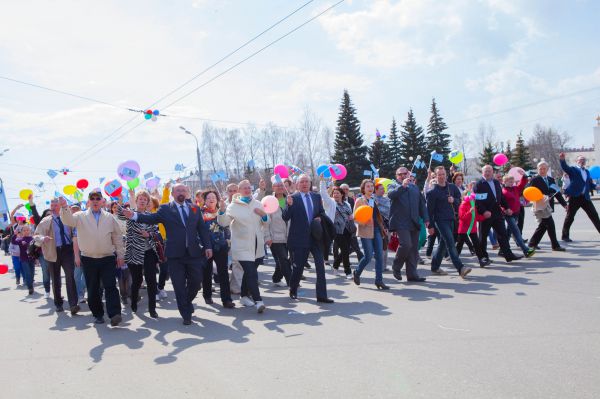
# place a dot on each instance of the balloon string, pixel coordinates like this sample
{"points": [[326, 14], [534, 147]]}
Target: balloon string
{"points": [[472, 217]]}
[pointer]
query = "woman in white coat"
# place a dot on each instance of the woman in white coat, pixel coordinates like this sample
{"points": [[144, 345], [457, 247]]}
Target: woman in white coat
{"points": [[245, 217]]}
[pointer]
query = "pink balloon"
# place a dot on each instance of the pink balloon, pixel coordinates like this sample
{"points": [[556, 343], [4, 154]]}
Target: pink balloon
{"points": [[500, 159], [270, 204], [514, 172], [282, 171], [338, 172]]}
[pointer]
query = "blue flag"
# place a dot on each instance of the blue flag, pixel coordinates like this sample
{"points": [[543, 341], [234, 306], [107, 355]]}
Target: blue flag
{"points": [[52, 173], [251, 164], [437, 157], [179, 167], [102, 179], [367, 173], [554, 187], [148, 176], [481, 196], [277, 178]]}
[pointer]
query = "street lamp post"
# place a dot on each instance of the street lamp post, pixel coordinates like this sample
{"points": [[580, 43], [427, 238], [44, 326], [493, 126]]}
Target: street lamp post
{"points": [[197, 154]]}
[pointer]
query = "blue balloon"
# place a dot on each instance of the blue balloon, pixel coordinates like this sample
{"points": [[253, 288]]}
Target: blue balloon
{"points": [[155, 112], [595, 172], [321, 169]]}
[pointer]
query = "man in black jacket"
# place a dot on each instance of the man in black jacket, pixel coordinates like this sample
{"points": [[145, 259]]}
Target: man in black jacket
{"points": [[490, 203], [547, 185]]}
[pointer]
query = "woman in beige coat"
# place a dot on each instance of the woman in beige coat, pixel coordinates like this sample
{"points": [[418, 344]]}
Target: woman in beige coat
{"points": [[245, 217]]}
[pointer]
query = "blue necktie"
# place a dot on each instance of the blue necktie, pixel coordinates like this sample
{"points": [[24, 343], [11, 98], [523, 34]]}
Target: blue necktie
{"points": [[309, 207], [183, 214], [63, 235]]}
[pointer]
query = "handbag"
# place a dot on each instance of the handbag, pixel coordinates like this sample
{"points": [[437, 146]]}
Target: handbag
{"points": [[394, 242], [160, 249]]}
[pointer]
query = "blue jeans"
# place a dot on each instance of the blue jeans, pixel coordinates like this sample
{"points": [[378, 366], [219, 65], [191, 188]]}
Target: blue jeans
{"points": [[27, 270], [372, 246], [513, 227], [79, 281], [445, 228], [45, 273], [492, 237], [16, 261]]}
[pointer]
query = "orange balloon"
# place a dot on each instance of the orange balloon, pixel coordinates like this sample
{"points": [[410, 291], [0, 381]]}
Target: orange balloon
{"points": [[532, 194], [363, 214]]}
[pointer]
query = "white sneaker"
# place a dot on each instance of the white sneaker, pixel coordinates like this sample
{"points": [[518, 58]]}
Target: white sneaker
{"points": [[46, 295], [280, 284], [349, 276], [162, 293], [246, 301], [260, 306]]}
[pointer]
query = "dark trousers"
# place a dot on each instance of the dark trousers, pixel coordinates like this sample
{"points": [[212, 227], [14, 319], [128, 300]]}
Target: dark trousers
{"points": [[250, 279], [342, 242], [163, 275], [574, 204], [354, 247], [407, 253], [544, 225], [300, 257], [186, 276], [500, 228], [64, 259], [220, 259], [472, 242], [99, 274], [148, 269], [282, 263]]}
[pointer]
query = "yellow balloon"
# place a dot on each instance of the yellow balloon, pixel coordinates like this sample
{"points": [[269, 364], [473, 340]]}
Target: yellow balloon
{"points": [[456, 157], [70, 189], [25, 193]]}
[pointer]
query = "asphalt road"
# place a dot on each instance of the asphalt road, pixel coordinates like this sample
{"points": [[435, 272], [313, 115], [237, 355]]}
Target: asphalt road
{"points": [[529, 329]]}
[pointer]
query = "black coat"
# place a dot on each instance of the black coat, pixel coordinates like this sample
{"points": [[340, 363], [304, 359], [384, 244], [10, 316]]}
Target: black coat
{"points": [[492, 203]]}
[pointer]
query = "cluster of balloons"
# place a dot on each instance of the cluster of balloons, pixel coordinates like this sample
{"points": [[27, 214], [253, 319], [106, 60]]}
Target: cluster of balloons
{"points": [[336, 171], [285, 171], [150, 114]]}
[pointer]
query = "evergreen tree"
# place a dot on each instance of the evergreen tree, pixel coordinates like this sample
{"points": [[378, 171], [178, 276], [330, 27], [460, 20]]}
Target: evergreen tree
{"points": [[413, 144], [379, 155], [509, 153], [486, 157], [394, 144], [437, 140], [349, 148], [520, 155]]}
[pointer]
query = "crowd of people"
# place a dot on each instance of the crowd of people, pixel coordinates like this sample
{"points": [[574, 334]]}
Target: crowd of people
{"points": [[111, 248]]}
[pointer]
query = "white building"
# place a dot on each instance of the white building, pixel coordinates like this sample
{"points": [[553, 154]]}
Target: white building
{"points": [[592, 154]]}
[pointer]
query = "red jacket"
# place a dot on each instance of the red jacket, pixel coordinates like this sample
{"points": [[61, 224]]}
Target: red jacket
{"points": [[513, 195], [465, 216]]}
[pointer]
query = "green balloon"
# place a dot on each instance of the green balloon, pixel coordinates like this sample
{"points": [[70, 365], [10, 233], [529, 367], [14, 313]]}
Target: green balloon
{"points": [[28, 207], [147, 116], [132, 184]]}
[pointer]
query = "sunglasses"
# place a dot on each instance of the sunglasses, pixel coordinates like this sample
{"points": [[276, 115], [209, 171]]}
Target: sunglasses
{"points": [[95, 198]]}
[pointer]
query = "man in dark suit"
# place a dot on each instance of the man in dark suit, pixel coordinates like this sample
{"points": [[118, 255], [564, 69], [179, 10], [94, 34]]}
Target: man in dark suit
{"points": [[579, 194], [304, 210], [490, 203], [187, 249], [547, 185], [406, 212]]}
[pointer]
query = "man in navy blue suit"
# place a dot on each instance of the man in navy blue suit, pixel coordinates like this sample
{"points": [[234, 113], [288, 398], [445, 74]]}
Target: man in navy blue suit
{"points": [[187, 249], [304, 210], [579, 194]]}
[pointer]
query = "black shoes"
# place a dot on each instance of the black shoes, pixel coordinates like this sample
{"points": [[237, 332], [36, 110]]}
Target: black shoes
{"points": [[512, 257], [484, 262], [74, 310], [417, 279], [187, 322], [560, 249], [153, 314], [356, 278], [208, 301], [99, 320], [398, 276], [59, 308], [567, 239], [293, 294], [133, 306], [325, 300], [229, 305], [381, 286], [115, 320]]}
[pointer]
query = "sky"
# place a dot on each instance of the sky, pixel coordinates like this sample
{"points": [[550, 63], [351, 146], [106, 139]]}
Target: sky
{"points": [[483, 61]]}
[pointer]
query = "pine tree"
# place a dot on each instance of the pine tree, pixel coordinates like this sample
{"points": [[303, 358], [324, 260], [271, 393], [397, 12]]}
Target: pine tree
{"points": [[486, 157], [379, 155], [349, 147], [520, 155], [437, 140], [413, 144], [509, 153], [394, 144]]}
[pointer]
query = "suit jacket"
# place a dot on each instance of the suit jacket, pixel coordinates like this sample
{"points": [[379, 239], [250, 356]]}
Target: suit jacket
{"points": [[577, 185], [539, 182], [299, 235], [407, 207], [195, 230], [493, 203]]}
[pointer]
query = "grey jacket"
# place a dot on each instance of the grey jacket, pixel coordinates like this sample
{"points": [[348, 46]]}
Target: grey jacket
{"points": [[407, 207], [277, 230]]}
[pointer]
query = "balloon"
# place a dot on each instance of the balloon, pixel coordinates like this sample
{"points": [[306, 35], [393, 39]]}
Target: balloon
{"points": [[82, 184], [148, 112], [386, 182], [154, 118], [28, 207], [282, 171], [363, 214], [532, 194], [25, 193], [132, 184], [500, 159], [128, 170], [152, 183], [155, 112], [78, 195], [324, 171], [270, 204], [456, 157], [595, 172], [69, 189], [113, 188], [338, 171], [147, 116], [3, 269], [514, 172]]}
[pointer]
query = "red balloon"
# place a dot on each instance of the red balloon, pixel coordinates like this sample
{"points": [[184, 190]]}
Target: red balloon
{"points": [[82, 184], [149, 111], [3, 269]]}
